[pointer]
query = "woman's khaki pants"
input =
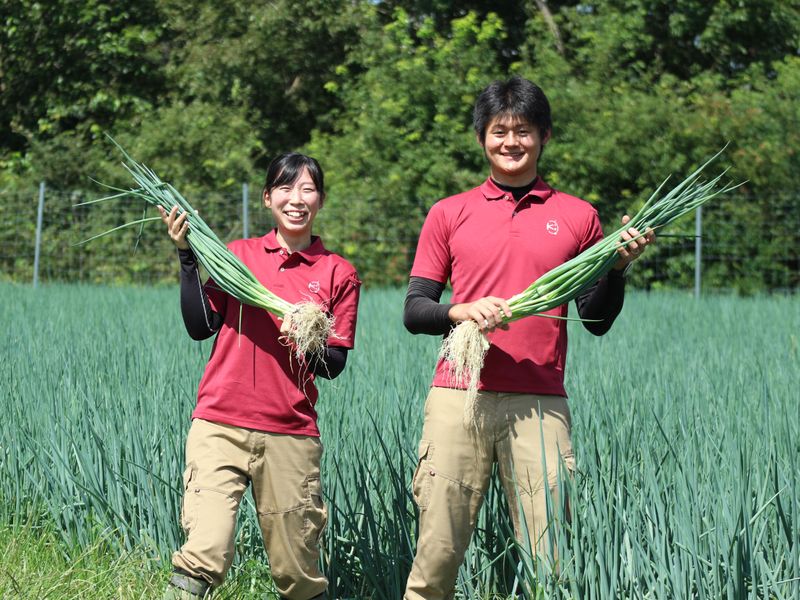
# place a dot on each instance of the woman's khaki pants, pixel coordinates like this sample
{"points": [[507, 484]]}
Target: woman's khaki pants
{"points": [[455, 466], [221, 460]]}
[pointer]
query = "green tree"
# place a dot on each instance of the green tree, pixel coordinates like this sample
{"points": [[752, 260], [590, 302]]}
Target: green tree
{"points": [[272, 60], [403, 138], [617, 137], [71, 65], [381, 92], [441, 13], [643, 40]]}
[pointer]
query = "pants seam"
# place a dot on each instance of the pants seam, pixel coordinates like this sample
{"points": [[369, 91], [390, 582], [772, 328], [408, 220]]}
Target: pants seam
{"points": [[284, 511], [195, 489], [458, 483]]}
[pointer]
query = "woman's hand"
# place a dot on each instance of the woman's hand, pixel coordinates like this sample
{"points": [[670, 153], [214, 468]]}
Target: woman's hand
{"points": [[633, 250], [177, 226], [487, 312]]}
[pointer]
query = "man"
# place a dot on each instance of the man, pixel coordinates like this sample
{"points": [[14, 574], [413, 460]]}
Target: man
{"points": [[491, 242]]}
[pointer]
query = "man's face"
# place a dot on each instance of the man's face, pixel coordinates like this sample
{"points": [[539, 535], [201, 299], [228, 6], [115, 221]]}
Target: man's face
{"points": [[513, 146]]}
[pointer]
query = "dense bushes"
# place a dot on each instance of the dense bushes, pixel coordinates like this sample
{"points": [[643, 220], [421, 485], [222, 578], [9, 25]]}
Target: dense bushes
{"points": [[381, 93]]}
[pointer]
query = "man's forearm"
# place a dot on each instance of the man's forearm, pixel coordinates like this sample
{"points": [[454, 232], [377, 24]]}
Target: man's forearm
{"points": [[602, 302], [422, 312]]}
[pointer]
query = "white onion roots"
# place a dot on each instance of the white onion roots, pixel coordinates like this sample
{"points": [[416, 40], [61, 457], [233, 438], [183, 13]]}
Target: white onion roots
{"points": [[464, 350], [309, 329]]}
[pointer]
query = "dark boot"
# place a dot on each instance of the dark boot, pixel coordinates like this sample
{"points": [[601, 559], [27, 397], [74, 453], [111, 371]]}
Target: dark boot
{"points": [[185, 587]]}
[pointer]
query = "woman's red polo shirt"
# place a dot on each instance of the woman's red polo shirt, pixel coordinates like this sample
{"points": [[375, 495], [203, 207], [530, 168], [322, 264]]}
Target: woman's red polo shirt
{"points": [[251, 379], [487, 244]]}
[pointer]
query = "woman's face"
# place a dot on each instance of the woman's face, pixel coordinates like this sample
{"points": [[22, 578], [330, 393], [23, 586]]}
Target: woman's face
{"points": [[294, 205]]}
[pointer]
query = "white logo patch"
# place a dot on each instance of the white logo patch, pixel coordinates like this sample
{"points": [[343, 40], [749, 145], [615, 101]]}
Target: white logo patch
{"points": [[552, 227], [313, 286]]}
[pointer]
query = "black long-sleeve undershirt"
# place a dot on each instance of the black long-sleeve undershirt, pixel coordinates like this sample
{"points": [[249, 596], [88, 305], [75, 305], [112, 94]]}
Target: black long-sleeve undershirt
{"points": [[602, 302], [422, 313], [202, 322]]}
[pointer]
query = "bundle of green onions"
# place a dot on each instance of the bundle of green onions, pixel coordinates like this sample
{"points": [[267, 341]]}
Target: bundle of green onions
{"points": [[309, 325], [465, 348]]}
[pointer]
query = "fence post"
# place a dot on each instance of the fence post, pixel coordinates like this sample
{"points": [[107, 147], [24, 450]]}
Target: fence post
{"points": [[37, 251], [245, 223], [698, 250]]}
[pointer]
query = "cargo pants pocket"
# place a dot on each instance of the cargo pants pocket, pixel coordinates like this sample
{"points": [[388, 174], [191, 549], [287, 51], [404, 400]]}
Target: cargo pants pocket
{"points": [[422, 481], [188, 515], [315, 516]]}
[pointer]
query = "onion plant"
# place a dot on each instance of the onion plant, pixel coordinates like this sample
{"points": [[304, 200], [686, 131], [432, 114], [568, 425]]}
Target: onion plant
{"points": [[309, 325], [688, 489], [465, 348]]}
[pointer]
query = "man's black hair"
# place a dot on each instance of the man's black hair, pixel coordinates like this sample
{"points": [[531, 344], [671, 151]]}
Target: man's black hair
{"points": [[286, 168], [516, 97]]}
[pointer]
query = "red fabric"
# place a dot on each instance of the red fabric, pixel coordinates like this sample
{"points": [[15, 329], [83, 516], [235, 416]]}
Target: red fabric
{"points": [[252, 380], [487, 244]]}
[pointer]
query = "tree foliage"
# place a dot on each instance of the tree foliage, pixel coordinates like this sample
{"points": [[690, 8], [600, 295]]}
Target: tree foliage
{"points": [[70, 65], [382, 91], [404, 137]]}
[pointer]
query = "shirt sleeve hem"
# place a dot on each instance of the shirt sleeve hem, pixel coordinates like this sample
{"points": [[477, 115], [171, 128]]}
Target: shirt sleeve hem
{"points": [[428, 275]]}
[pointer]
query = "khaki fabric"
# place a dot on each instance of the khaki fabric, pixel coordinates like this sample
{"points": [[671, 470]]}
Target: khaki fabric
{"points": [[221, 460], [455, 466]]}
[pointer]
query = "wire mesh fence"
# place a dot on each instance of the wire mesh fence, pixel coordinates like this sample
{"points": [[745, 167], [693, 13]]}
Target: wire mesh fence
{"points": [[744, 246], [138, 255]]}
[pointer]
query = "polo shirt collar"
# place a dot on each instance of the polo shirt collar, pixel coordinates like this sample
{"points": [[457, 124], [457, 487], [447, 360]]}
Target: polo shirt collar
{"points": [[540, 189], [310, 255]]}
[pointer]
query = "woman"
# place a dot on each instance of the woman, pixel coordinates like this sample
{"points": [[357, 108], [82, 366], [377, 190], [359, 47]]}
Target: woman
{"points": [[255, 422]]}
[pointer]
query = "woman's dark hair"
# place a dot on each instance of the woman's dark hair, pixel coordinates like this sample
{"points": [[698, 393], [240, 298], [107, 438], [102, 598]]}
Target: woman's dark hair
{"points": [[516, 97], [286, 168]]}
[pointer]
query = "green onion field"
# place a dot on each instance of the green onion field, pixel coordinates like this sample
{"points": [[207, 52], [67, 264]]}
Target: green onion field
{"points": [[686, 427]]}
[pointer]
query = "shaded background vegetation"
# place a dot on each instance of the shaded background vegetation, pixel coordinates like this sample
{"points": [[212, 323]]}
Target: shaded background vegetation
{"points": [[381, 92]]}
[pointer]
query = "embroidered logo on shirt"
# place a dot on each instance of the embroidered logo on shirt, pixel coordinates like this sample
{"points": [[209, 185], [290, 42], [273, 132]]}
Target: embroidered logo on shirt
{"points": [[552, 227], [313, 286]]}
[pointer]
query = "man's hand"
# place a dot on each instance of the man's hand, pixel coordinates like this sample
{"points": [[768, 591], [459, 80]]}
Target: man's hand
{"points": [[177, 226], [633, 250], [286, 324], [488, 313]]}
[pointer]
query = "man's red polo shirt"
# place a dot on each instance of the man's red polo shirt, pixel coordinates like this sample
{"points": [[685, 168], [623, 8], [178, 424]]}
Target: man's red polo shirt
{"points": [[251, 379], [489, 245]]}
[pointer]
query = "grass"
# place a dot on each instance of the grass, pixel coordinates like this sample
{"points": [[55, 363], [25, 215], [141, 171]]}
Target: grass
{"points": [[684, 426], [34, 566]]}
